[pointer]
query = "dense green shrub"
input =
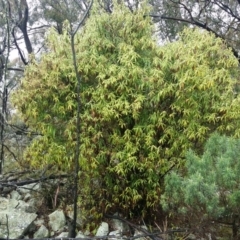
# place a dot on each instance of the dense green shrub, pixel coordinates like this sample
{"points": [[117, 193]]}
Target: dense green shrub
{"points": [[209, 187], [142, 105]]}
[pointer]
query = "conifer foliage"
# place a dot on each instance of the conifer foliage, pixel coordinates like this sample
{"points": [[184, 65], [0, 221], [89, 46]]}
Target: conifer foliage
{"points": [[210, 186], [142, 105]]}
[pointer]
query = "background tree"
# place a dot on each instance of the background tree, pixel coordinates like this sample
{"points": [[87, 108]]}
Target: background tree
{"points": [[56, 12], [208, 189], [23, 28], [143, 106], [7, 79], [220, 17], [4, 54]]}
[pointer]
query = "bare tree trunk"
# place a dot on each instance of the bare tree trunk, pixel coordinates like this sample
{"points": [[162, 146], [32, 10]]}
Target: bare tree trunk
{"points": [[4, 91], [78, 126], [235, 226], [22, 24]]}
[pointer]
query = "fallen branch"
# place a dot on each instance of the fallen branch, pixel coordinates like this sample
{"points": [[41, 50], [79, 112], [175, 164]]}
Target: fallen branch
{"points": [[16, 184]]}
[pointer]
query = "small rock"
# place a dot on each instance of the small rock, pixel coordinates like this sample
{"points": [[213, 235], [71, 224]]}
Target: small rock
{"points": [[114, 235], [15, 195], [57, 220], [103, 229], [42, 232], [117, 224], [80, 235], [69, 214], [63, 235], [12, 179], [87, 233], [38, 222], [191, 237]]}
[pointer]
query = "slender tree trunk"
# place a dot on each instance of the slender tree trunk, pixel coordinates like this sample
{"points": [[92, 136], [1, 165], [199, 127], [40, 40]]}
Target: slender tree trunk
{"points": [[235, 226], [4, 91], [78, 126]]}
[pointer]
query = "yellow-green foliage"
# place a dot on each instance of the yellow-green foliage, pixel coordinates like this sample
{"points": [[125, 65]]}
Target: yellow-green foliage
{"points": [[142, 105]]}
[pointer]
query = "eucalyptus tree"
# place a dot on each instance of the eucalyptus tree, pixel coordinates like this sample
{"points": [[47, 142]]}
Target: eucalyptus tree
{"points": [[8, 74], [221, 17], [16, 47], [56, 12]]}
